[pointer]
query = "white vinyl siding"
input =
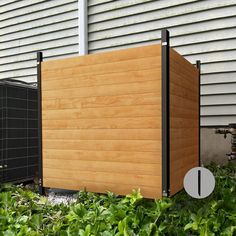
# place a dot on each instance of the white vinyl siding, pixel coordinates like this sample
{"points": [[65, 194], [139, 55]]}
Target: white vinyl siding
{"points": [[37, 25], [200, 30]]}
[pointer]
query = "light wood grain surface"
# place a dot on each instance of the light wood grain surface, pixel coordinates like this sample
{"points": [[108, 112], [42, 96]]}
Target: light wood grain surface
{"points": [[184, 119], [101, 118]]}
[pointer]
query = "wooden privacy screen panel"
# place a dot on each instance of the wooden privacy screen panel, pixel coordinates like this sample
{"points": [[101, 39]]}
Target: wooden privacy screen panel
{"points": [[120, 120], [184, 119], [101, 122]]}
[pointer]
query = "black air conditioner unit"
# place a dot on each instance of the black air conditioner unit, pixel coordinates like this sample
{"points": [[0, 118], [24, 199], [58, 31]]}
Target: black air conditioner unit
{"points": [[18, 131]]}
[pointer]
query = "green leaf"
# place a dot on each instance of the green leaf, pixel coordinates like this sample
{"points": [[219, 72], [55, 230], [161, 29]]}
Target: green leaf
{"points": [[120, 227], [9, 233], [188, 226], [23, 219], [87, 230], [134, 198], [36, 221], [107, 233]]}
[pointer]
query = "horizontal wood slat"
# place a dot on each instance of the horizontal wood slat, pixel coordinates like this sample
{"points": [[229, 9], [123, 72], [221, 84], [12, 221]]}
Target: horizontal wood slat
{"points": [[180, 102], [185, 151], [179, 164], [98, 155], [183, 142], [177, 122], [127, 54], [105, 90], [102, 101], [104, 134], [114, 178], [128, 111], [107, 68], [185, 83], [148, 192], [184, 93], [183, 112], [104, 166], [105, 145], [78, 81], [184, 132], [105, 123]]}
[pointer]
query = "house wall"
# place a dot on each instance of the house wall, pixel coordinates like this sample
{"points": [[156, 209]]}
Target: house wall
{"points": [[38, 25], [214, 146]]}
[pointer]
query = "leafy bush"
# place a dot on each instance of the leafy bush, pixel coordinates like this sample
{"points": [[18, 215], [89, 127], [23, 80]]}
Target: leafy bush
{"points": [[25, 213]]}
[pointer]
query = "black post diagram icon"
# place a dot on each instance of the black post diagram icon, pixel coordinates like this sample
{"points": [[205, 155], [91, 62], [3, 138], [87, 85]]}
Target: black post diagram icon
{"points": [[199, 182]]}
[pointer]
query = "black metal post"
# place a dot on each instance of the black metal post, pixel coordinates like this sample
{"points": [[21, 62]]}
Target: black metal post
{"points": [[40, 163], [199, 182], [198, 65], [165, 114]]}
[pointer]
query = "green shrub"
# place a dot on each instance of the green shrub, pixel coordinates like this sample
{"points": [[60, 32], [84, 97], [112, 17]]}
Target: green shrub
{"points": [[25, 213]]}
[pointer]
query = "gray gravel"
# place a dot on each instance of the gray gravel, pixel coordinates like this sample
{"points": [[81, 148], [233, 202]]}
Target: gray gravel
{"points": [[60, 196]]}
